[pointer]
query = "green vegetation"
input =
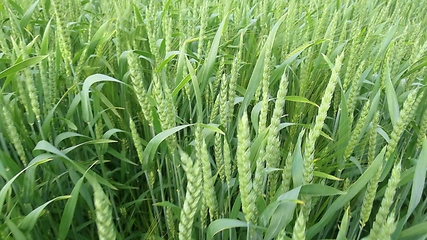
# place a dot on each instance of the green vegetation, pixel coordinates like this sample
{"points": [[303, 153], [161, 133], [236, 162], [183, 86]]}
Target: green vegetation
{"points": [[213, 119]]}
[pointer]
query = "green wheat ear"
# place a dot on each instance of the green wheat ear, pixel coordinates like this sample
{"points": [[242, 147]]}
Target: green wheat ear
{"points": [[104, 218], [383, 219], [248, 195], [192, 196], [209, 195], [140, 92]]}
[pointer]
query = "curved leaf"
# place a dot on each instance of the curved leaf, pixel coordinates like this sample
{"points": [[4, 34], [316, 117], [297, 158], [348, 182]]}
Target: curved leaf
{"points": [[342, 200], [155, 142], [320, 190], [30, 220], [68, 214], [300, 100], [86, 107], [221, 225]]}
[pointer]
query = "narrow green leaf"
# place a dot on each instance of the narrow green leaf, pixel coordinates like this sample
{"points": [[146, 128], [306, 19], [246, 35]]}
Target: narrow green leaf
{"points": [[298, 162], [97, 37], [21, 65], [169, 56], [388, 38], [68, 214], [344, 226], [30, 220], [342, 200], [418, 182], [326, 176], [96, 141], [108, 103], [256, 76], [86, 107], [211, 127], [16, 232], [44, 47], [4, 60], [209, 63], [49, 117], [292, 56], [196, 87], [418, 186], [46, 146], [65, 135], [151, 148], [414, 231], [220, 225], [90, 175], [319, 190], [255, 114], [280, 213], [27, 16], [110, 132], [35, 162], [181, 85], [392, 103], [300, 100], [16, 7]]}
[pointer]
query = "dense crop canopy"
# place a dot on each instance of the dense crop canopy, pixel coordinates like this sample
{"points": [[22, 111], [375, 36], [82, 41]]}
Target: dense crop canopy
{"points": [[270, 119]]}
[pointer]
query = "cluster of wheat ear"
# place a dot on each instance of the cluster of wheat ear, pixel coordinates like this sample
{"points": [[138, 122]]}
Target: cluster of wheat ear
{"points": [[149, 119]]}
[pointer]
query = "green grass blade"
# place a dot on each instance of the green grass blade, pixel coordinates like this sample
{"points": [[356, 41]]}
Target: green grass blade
{"points": [[68, 214], [342, 200], [44, 47], [300, 100], [344, 226], [418, 182], [319, 190], [221, 225], [392, 103], [196, 87], [208, 65], [16, 232], [65, 135], [256, 76], [154, 143], [17, 7], [86, 106], [418, 187], [90, 175], [20, 66], [280, 213], [27, 16], [5, 189], [298, 162], [30, 220], [414, 231]]}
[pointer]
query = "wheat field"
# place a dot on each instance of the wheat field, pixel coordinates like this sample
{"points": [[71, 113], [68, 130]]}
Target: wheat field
{"points": [[214, 119]]}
